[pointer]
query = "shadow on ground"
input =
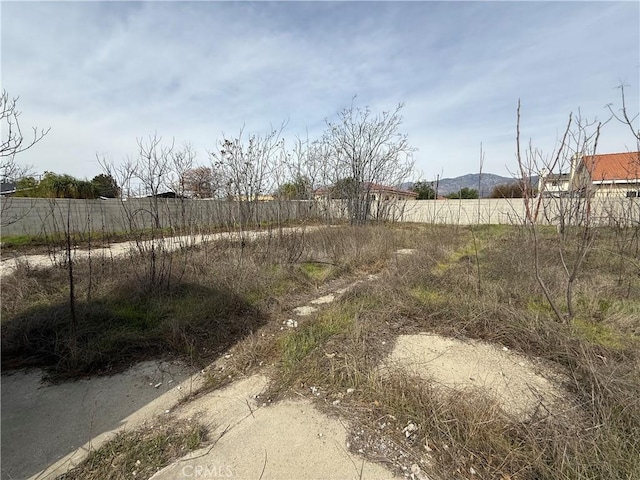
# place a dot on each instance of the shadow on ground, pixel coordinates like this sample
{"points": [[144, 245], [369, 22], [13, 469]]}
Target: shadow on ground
{"points": [[191, 322]]}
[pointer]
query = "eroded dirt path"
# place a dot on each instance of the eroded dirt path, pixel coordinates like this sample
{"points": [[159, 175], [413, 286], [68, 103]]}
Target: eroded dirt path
{"points": [[121, 249]]}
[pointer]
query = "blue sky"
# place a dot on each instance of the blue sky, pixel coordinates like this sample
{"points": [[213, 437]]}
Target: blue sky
{"points": [[102, 74]]}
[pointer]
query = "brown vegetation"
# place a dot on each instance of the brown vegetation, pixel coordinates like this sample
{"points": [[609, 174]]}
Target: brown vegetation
{"points": [[473, 283]]}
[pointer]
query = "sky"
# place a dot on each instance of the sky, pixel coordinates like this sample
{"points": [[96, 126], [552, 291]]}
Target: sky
{"points": [[102, 75]]}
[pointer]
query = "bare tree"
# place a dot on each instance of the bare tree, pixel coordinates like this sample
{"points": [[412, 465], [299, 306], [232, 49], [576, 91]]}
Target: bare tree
{"points": [[624, 215], [623, 116], [155, 172], [200, 182], [246, 170], [13, 143], [368, 149], [13, 140], [572, 210]]}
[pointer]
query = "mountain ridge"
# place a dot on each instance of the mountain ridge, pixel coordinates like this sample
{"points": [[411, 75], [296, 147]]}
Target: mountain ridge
{"points": [[484, 183]]}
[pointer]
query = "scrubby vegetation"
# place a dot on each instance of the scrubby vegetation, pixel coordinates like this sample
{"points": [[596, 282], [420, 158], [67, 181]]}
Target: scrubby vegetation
{"points": [[461, 282]]}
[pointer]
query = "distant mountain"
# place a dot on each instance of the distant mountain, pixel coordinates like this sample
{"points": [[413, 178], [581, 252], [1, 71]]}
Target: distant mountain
{"points": [[487, 183]]}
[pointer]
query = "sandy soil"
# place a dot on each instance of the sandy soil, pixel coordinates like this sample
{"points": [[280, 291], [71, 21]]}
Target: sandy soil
{"points": [[251, 440], [519, 385]]}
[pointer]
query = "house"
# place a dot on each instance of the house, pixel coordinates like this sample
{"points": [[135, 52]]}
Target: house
{"points": [[554, 184], [7, 188], [376, 191], [611, 174], [603, 175], [384, 193]]}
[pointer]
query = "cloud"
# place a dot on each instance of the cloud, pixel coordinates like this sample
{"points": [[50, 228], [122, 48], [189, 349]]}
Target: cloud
{"points": [[102, 74]]}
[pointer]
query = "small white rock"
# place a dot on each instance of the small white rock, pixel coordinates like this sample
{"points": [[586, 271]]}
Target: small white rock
{"points": [[157, 385], [351, 390], [306, 310]]}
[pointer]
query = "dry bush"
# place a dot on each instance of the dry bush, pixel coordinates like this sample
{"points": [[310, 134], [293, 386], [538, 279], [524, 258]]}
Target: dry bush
{"points": [[210, 297], [461, 282], [434, 290]]}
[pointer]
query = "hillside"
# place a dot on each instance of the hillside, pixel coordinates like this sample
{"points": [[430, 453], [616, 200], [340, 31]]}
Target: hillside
{"points": [[450, 185]]}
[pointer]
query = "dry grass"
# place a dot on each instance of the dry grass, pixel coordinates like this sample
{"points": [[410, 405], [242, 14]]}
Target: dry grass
{"points": [[139, 453], [447, 288], [194, 303], [461, 282]]}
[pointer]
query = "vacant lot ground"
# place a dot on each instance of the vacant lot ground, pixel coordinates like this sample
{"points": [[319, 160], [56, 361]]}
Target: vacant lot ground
{"points": [[356, 357]]}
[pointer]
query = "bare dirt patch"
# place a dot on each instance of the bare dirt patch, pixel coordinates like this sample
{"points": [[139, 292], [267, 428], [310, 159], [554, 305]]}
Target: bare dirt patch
{"points": [[253, 439], [517, 383]]}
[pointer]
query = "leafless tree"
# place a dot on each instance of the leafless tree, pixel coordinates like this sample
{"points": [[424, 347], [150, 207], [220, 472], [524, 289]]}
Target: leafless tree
{"points": [[367, 149], [13, 143], [246, 168], [13, 140], [156, 170], [624, 215], [200, 182], [572, 210], [624, 116]]}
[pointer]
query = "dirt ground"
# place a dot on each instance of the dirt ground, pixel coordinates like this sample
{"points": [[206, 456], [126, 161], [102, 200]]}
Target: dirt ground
{"points": [[515, 382]]}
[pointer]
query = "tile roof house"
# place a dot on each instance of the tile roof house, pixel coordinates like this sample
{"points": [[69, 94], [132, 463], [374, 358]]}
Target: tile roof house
{"points": [[609, 174]]}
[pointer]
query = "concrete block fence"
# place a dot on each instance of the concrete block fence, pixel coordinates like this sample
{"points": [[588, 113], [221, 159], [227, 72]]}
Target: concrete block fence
{"points": [[34, 216]]}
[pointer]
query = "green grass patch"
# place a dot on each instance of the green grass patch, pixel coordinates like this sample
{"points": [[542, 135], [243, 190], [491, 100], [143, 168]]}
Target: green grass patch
{"points": [[597, 333], [272, 281], [468, 249], [316, 272], [297, 344], [426, 295], [540, 306]]}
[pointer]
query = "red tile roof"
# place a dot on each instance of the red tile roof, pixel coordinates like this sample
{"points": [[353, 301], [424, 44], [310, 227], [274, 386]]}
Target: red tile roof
{"points": [[613, 166]]}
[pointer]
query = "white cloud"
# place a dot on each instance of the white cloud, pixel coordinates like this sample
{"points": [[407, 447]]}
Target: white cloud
{"points": [[102, 74]]}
